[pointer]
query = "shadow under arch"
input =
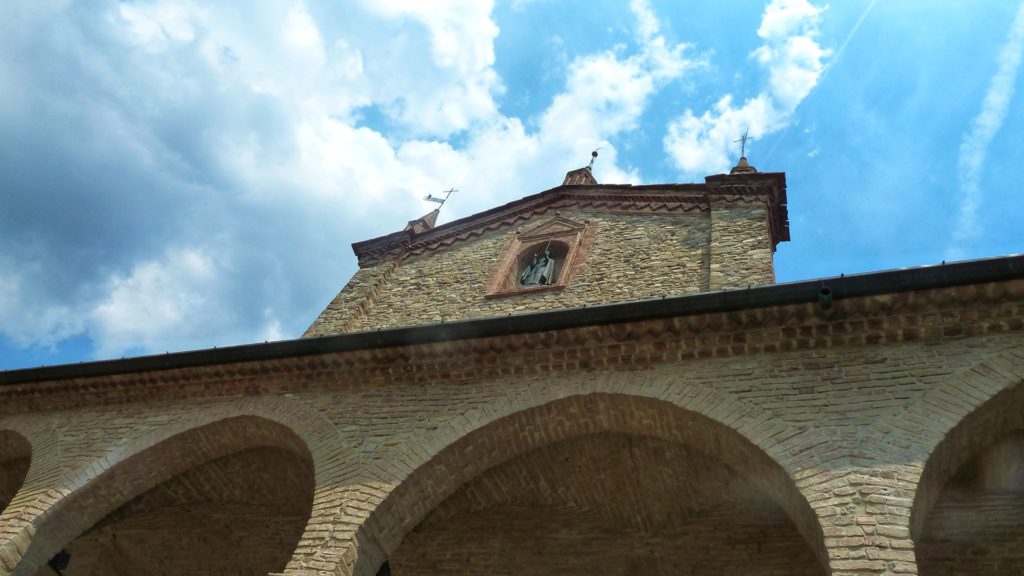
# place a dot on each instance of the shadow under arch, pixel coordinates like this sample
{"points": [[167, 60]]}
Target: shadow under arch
{"points": [[999, 415], [515, 434], [15, 458], [994, 420], [148, 467]]}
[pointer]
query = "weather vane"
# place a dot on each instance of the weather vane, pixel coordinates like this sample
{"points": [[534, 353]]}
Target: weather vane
{"points": [[441, 201], [593, 156], [743, 141]]}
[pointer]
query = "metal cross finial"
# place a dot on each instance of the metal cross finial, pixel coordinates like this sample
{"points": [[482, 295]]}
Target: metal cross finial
{"points": [[441, 201], [743, 145]]}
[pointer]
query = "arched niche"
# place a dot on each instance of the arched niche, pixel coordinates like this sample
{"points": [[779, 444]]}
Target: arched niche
{"points": [[15, 457], [689, 476], [541, 259], [553, 251], [968, 513], [233, 496]]}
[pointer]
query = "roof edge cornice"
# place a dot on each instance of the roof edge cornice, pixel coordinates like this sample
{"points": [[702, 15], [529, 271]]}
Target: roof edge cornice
{"points": [[972, 272], [647, 198]]}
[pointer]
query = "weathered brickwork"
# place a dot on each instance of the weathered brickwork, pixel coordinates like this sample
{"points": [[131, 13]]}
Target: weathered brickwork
{"points": [[505, 541], [974, 529], [565, 508], [639, 243], [15, 456], [705, 427], [451, 285], [840, 427], [740, 248], [254, 503]]}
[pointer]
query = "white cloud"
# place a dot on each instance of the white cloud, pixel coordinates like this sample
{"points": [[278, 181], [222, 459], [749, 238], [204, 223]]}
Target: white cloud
{"points": [[704, 144], [783, 19], [160, 303], [647, 23], [272, 329], [458, 86], [433, 73], [242, 172], [606, 94], [975, 142], [158, 25], [794, 67], [26, 321]]}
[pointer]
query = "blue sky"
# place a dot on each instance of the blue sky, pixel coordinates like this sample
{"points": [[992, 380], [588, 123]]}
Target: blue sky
{"points": [[178, 175]]}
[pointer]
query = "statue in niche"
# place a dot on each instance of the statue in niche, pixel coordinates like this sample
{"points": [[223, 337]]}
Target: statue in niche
{"points": [[541, 271]]}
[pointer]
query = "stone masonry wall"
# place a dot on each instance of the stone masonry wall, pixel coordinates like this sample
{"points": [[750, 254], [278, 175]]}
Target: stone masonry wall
{"points": [[624, 257], [836, 416], [741, 247]]}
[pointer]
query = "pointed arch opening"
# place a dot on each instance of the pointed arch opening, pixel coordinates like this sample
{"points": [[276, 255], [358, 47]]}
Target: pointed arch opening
{"points": [[598, 483], [231, 497], [968, 513]]}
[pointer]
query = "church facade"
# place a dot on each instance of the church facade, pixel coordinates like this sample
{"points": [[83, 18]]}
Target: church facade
{"points": [[595, 379]]}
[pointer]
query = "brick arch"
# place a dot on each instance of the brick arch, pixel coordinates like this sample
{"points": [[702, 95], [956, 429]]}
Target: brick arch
{"points": [[958, 419], [703, 419], [316, 432], [37, 490], [201, 436], [983, 426], [15, 456]]}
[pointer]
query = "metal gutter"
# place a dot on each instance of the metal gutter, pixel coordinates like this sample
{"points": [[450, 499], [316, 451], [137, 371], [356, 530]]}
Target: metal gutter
{"points": [[858, 285]]}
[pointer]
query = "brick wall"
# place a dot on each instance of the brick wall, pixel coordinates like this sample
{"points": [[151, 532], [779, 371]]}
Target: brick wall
{"points": [[845, 424], [972, 532], [622, 257], [15, 456], [607, 504], [976, 526], [239, 514], [507, 541]]}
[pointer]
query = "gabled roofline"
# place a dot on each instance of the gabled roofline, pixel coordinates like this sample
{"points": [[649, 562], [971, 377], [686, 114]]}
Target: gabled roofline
{"points": [[770, 185], [982, 271]]}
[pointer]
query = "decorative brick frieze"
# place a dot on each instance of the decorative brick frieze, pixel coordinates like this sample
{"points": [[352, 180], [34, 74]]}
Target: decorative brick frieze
{"points": [[610, 198], [921, 316]]}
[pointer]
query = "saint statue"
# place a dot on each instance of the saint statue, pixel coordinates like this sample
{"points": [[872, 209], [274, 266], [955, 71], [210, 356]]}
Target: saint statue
{"points": [[540, 272]]}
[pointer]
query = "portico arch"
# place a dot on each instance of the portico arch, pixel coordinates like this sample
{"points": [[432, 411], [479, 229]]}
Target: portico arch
{"points": [[162, 486], [968, 512], [15, 457], [594, 420]]}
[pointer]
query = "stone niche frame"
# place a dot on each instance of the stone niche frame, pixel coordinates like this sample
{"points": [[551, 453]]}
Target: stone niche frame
{"points": [[566, 237]]}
